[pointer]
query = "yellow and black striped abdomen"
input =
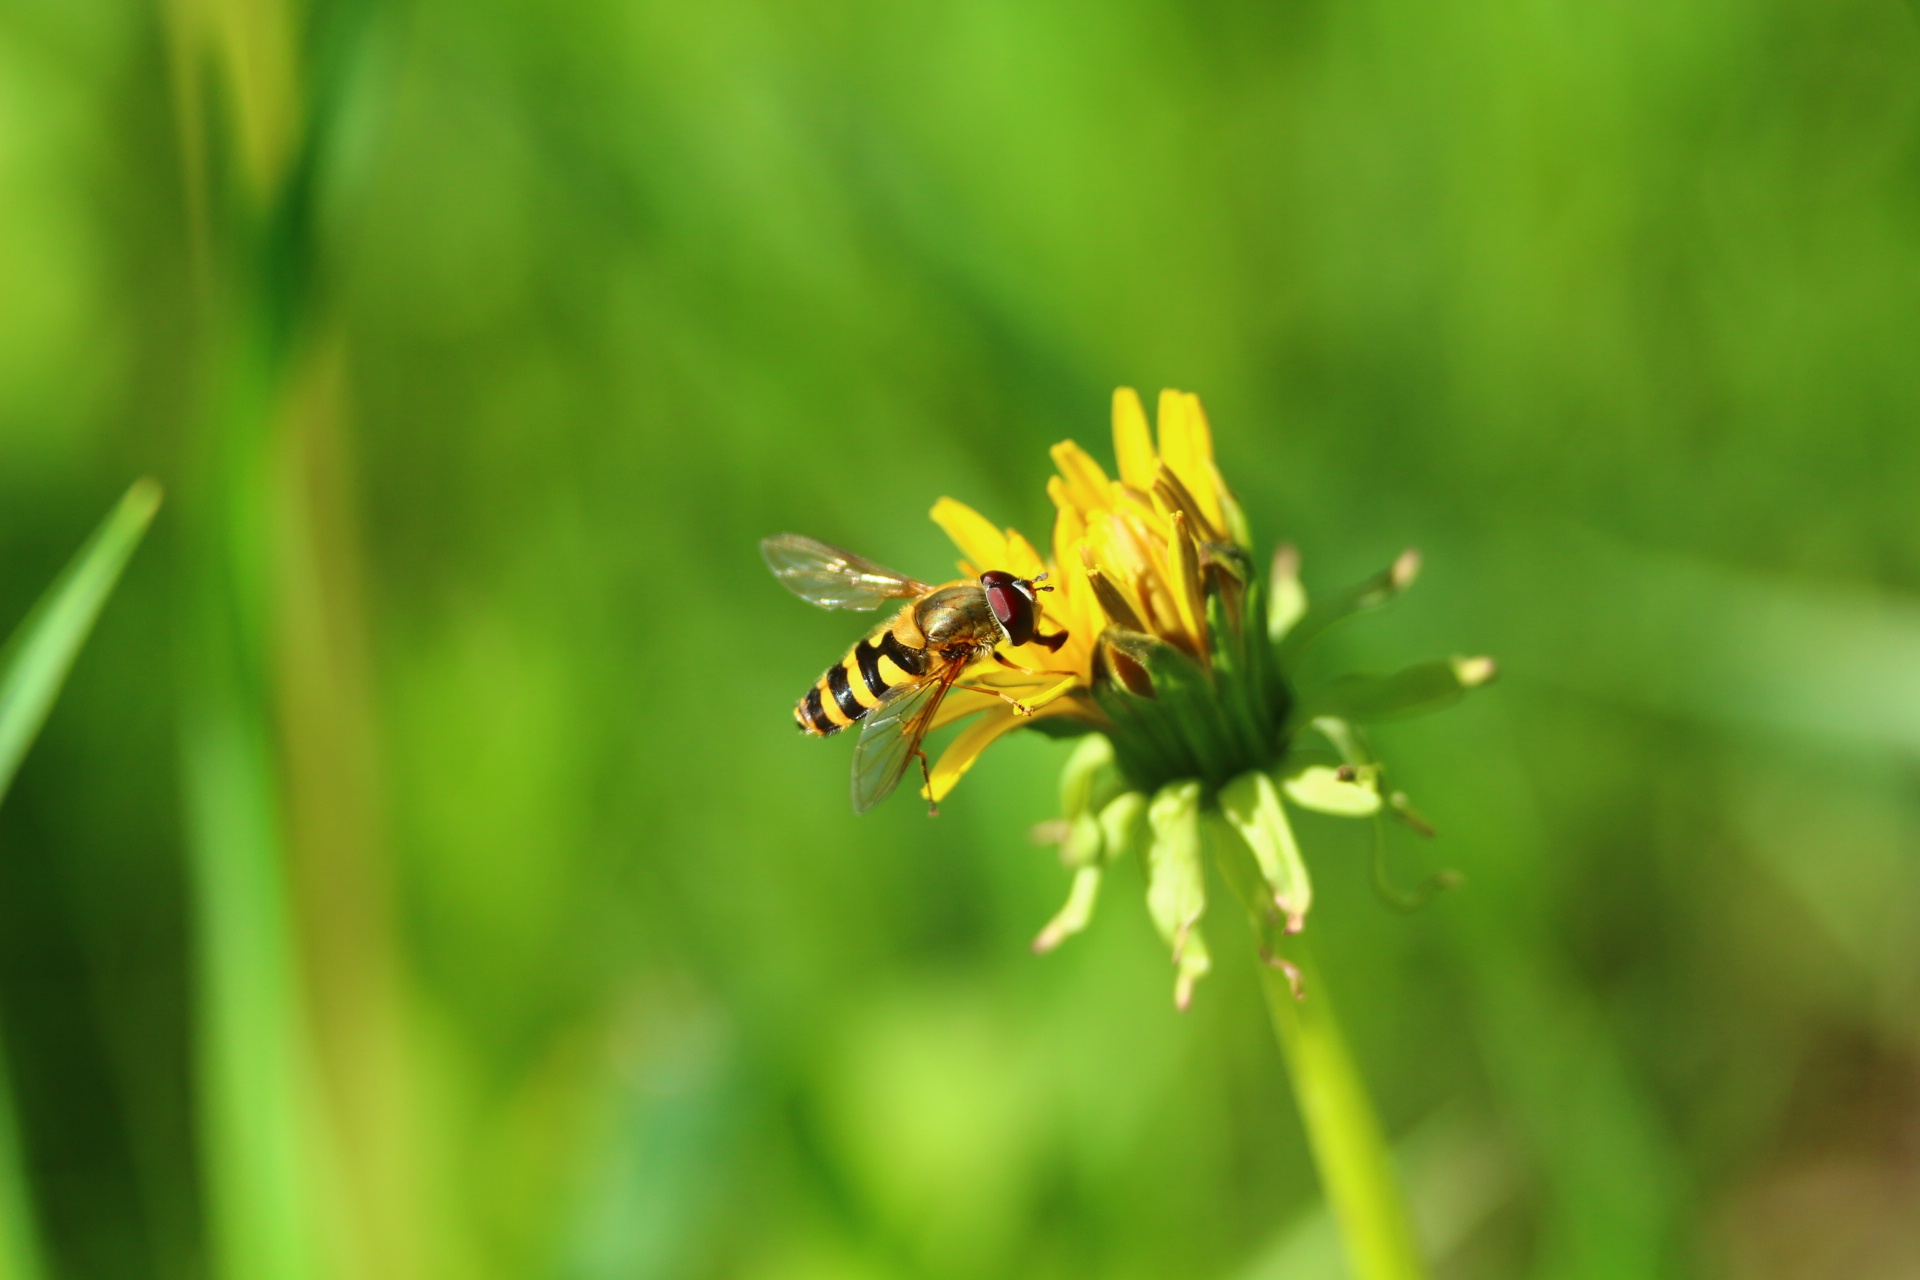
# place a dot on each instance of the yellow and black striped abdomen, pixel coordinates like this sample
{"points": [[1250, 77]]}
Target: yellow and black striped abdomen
{"points": [[855, 685]]}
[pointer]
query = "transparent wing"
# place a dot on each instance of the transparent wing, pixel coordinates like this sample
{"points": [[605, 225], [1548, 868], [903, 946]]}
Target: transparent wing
{"points": [[832, 578], [892, 736]]}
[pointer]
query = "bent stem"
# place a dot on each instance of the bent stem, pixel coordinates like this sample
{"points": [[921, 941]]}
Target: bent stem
{"points": [[1348, 1145]]}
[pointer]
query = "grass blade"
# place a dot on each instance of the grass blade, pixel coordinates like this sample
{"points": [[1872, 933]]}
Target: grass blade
{"points": [[36, 660], [33, 666]]}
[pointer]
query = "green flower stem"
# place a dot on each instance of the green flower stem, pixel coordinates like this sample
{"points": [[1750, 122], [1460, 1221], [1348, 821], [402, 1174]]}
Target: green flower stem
{"points": [[1348, 1146]]}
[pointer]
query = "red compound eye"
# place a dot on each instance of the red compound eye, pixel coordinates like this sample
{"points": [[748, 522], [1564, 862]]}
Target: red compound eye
{"points": [[1011, 600]]}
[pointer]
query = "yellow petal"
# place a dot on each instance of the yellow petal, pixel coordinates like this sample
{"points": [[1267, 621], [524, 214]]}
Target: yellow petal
{"points": [[977, 537], [1201, 443], [1087, 485], [1200, 430], [1186, 446], [1069, 606], [1184, 570], [961, 703], [1111, 598], [1121, 545], [1060, 688], [1132, 443], [1175, 439], [1144, 506], [1022, 560], [1068, 526], [965, 749]]}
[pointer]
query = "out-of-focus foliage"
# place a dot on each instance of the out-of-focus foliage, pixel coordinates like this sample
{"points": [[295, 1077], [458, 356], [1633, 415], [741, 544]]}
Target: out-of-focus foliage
{"points": [[1611, 310]]}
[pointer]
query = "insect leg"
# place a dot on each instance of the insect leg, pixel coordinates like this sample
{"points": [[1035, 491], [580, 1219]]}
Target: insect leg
{"points": [[1019, 708], [926, 772], [1009, 663]]}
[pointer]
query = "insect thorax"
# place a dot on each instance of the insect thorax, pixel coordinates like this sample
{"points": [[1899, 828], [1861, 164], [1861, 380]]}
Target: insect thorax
{"points": [[956, 615]]}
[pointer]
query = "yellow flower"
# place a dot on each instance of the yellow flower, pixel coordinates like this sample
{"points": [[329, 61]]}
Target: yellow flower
{"points": [[1130, 553], [1176, 664]]}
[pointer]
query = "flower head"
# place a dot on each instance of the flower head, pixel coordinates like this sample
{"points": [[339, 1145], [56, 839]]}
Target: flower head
{"points": [[1177, 671]]}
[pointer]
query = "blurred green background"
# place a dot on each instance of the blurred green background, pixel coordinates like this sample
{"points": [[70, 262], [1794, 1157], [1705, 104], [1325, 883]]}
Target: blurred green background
{"points": [[422, 877]]}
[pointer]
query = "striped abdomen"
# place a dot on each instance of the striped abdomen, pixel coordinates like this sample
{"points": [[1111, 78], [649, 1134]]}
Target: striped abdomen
{"points": [[892, 656]]}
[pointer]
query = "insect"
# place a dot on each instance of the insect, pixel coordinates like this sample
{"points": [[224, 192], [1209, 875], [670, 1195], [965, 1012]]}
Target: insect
{"points": [[894, 679]]}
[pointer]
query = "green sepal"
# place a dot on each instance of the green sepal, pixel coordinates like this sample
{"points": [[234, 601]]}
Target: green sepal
{"points": [[1359, 598], [1192, 962], [1089, 778], [1345, 791], [1085, 843], [1286, 596], [1187, 699], [1237, 685], [1251, 804], [1416, 690], [1122, 823], [1340, 743], [1181, 720], [1072, 917], [1235, 517], [1176, 881]]}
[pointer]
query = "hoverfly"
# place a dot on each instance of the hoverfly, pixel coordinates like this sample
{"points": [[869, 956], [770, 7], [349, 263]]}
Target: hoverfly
{"points": [[896, 676]]}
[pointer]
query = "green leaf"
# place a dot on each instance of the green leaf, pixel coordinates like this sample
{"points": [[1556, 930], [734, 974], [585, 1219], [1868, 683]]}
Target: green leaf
{"points": [[1428, 686], [33, 667], [1252, 806], [41, 652], [1359, 598]]}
